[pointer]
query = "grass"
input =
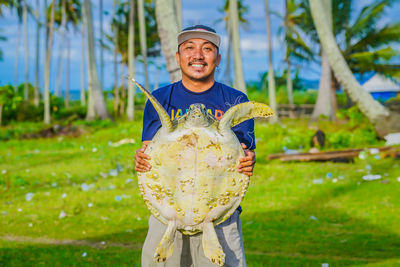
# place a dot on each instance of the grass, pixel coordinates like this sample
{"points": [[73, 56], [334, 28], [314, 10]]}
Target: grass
{"points": [[75, 202]]}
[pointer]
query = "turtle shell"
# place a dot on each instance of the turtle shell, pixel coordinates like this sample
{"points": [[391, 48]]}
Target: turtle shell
{"points": [[194, 177]]}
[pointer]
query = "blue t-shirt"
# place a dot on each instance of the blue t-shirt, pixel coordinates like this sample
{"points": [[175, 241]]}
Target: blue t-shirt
{"points": [[176, 99]]}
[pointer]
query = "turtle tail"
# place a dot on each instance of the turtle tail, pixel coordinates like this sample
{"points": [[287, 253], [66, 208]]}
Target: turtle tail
{"points": [[162, 113], [242, 112]]}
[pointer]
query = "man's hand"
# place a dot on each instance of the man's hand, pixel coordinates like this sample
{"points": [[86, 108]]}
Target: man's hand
{"points": [[246, 165], [141, 159]]}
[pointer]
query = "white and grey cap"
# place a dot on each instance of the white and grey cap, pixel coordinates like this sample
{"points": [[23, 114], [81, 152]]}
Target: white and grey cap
{"points": [[199, 31]]}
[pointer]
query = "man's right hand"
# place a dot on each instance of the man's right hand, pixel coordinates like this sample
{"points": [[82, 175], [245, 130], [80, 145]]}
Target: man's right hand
{"points": [[141, 159]]}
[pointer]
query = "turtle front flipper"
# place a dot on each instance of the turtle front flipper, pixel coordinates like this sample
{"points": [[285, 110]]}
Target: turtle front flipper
{"points": [[166, 246], [243, 112], [162, 113], [211, 246]]}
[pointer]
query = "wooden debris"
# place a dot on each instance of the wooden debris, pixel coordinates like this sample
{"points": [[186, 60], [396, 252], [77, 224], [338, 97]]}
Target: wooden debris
{"points": [[338, 155]]}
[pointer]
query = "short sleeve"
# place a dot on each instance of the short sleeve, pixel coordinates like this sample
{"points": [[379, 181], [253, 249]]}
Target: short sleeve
{"points": [[151, 122]]}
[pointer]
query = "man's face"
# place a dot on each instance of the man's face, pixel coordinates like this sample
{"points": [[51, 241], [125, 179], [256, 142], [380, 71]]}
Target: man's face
{"points": [[198, 59]]}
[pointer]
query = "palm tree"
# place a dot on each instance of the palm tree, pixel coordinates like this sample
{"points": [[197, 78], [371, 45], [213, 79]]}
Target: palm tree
{"points": [[168, 28], [242, 10], [143, 45], [83, 57], [131, 61], [178, 7], [61, 51], [364, 43], [49, 46], [234, 27], [97, 98], [383, 120], [25, 19], [271, 74], [18, 7], [324, 105], [38, 26], [101, 12]]}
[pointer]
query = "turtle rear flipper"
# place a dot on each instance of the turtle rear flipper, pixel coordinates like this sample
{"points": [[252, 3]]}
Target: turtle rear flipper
{"points": [[211, 246], [243, 112], [166, 246]]}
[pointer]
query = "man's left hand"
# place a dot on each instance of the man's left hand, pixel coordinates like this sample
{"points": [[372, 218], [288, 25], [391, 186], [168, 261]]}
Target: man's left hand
{"points": [[246, 165]]}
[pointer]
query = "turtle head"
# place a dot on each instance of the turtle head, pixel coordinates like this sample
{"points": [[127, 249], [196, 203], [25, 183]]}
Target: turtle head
{"points": [[197, 116]]}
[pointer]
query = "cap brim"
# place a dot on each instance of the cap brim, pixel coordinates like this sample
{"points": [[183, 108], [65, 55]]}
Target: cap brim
{"points": [[206, 35]]}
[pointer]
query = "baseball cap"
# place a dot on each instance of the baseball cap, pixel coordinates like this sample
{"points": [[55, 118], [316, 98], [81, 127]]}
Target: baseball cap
{"points": [[199, 31]]}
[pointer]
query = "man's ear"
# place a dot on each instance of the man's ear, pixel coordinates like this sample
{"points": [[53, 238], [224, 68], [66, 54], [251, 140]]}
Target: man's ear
{"points": [[218, 59], [177, 57]]}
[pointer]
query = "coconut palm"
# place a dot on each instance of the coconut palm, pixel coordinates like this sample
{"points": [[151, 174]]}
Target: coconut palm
{"points": [[168, 28], [363, 41], [38, 26], [101, 12], [242, 10], [83, 58], [97, 98], [383, 120], [142, 33], [49, 46], [131, 61], [271, 74], [234, 27]]}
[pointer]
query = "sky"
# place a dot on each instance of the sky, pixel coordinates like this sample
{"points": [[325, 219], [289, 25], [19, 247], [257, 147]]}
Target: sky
{"points": [[253, 43]]}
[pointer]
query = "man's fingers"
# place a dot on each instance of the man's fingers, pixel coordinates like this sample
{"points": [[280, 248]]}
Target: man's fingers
{"points": [[246, 164]]}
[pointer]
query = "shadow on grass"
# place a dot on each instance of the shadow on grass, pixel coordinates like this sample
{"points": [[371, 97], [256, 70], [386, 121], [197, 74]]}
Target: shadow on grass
{"points": [[310, 234]]}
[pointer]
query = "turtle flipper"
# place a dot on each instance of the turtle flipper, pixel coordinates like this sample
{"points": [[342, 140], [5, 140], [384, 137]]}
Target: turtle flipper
{"points": [[162, 113], [166, 245], [243, 112], [211, 246]]}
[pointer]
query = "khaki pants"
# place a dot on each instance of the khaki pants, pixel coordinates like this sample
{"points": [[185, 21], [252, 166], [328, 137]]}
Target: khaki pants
{"points": [[188, 250]]}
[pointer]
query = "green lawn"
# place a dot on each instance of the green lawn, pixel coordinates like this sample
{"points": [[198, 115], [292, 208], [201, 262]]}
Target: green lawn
{"points": [[75, 202]]}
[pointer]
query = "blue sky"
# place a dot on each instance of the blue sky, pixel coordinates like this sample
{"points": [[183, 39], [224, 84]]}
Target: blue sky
{"points": [[253, 42]]}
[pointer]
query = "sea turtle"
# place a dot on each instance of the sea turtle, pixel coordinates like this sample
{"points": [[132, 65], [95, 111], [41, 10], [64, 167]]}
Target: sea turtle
{"points": [[194, 183]]}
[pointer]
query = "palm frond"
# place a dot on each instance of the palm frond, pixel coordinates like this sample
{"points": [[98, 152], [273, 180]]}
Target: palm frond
{"points": [[386, 35], [367, 20]]}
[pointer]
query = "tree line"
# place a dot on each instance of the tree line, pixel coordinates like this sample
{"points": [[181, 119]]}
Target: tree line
{"points": [[362, 43]]}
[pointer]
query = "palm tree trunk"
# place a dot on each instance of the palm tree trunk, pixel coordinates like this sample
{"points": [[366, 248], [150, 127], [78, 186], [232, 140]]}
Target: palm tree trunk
{"points": [[123, 91], [61, 54], [47, 65], [271, 74], [168, 28], [228, 76], [1, 113], [234, 20], [96, 91], [66, 98], [16, 62], [101, 45], [143, 45], [323, 106], [37, 94], [25, 18], [383, 121], [289, 82], [130, 112], [115, 52], [83, 57], [178, 7]]}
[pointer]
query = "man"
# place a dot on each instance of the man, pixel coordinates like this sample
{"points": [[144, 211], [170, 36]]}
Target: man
{"points": [[198, 57]]}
